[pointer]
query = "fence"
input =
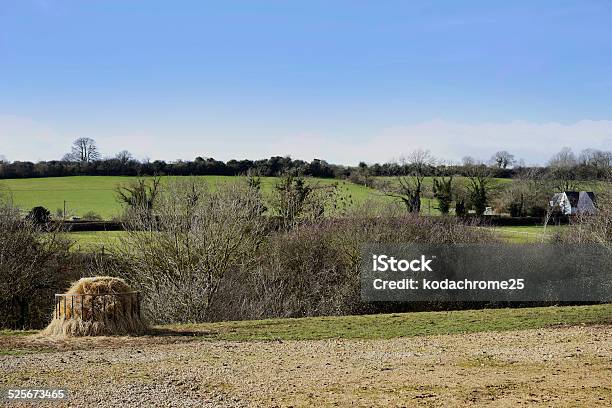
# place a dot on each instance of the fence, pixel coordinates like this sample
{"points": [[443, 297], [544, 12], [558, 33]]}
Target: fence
{"points": [[97, 307]]}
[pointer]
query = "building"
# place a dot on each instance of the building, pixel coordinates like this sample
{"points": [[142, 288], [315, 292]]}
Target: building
{"points": [[573, 203]]}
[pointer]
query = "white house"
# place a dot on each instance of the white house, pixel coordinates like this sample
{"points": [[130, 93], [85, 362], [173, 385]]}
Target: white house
{"points": [[574, 203]]}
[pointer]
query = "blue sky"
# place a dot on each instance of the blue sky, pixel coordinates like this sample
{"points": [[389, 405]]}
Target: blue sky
{"points": [[339, 80]]}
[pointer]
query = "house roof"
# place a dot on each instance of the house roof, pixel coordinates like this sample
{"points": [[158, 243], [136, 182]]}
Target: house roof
{"points": [[574, 196]]}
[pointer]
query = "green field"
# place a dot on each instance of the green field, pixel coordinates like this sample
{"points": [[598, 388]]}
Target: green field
{"points": [[387, 326], [94, 241], [97, 193], [528, 234], [106, 240], [82, 194]]}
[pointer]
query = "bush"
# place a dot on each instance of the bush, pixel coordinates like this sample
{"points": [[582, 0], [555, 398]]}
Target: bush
{"points": [[179, 250], [31, 270], [39, 215], [313, 270], [91, 216], [592, 229]]}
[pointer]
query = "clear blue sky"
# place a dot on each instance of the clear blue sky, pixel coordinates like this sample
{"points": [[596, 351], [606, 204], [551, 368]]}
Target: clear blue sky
{"points": [[340, 80]]}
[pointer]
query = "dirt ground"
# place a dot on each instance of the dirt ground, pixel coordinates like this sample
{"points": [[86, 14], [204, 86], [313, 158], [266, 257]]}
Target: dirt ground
{"points": [[570, 366]]}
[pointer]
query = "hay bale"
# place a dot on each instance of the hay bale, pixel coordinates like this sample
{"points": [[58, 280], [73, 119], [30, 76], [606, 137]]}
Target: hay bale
{"points": [[98, 306]]}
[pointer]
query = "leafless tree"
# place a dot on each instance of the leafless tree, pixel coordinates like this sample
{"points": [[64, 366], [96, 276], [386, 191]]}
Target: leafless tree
{"points": [[600, 160], [564, 158], [196, 236], [468, 161], [84, 150], [124, 157], [139, 196], [562, 172], [503, 159], [409, 188]]}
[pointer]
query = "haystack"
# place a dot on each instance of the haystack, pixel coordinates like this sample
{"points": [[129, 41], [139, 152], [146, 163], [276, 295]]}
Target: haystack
{"points": [[98, 306]]}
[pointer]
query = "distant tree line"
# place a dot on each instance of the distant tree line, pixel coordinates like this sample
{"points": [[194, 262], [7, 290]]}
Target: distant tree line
{"points": [[84, 159]]}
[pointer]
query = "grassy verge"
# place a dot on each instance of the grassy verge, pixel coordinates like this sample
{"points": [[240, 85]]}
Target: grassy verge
{"points": [[386, 326]]}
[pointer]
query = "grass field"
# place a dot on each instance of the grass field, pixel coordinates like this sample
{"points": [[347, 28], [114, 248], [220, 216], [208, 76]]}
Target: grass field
{"points": [[553, 356], [528, 234], [85, 241], [387, 326], [97, 193], [96, 240]]}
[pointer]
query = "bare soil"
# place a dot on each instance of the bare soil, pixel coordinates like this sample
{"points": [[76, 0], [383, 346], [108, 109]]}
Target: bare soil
{"points": [[566, 367]]}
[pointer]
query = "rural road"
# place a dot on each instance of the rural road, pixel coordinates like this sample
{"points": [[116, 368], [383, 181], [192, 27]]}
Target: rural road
{"points": [[569, 366]]}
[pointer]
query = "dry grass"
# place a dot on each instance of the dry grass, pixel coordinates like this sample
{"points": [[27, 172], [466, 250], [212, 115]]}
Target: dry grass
{"points": [[98, 306]]}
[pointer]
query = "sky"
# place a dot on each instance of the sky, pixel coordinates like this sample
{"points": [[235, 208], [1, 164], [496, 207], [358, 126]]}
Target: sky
{"points": [[343, 81]]}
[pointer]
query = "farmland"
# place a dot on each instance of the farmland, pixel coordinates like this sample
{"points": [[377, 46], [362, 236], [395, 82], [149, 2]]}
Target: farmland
{"points": [[528, 234], [96, 240], [97, 193], [536, 356], [83, 194]]}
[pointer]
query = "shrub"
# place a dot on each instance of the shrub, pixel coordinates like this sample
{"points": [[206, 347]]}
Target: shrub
{"points": [[443, 192], [596, 229], [31, 264], [179, 250], [39, 215], [91, 216], [313, 270], [294, 201]]}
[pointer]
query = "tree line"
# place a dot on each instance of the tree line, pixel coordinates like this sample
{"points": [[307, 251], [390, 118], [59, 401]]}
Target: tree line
{"points": [[84, 159]]}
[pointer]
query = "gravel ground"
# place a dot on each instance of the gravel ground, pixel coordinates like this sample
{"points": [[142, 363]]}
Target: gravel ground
{"points": [[570, 366]]}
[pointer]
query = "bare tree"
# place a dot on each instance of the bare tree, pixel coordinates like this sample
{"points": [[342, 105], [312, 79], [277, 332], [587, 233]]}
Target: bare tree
{"points": [[565, 158], [503, 159], [196, 236], [84, 150], [124, 157], [468, 161], [409, 188], [599, 160], [562, 172], [528, 194]]}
